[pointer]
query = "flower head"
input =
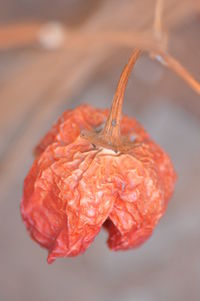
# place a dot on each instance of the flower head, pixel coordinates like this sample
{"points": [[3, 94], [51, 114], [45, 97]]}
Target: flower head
{"points": [[96, 168]]}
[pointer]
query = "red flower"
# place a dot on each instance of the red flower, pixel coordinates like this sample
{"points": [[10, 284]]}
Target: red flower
{"points": [[93, 170]]}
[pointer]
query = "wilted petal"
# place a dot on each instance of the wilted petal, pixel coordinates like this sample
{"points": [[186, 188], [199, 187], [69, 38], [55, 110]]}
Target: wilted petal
{"points": [[65, 201], [140, 203], [70, 124]]}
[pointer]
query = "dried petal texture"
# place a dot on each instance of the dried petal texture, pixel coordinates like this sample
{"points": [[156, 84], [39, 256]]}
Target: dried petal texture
{"points": [[85, 117], [74, 188], [165, 169], [70, 124], [65, 202], [143, 200]]}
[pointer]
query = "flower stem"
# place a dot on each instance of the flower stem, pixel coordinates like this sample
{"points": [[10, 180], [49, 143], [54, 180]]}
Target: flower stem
{"points": [[110, 136], [111, 131]]}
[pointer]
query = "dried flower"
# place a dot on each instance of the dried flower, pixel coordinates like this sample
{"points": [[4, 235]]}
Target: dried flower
{"points": [[96, 168]]}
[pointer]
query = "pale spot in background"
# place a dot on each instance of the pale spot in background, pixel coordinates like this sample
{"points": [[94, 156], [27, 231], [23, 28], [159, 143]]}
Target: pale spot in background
{"points": [[51, 35]]}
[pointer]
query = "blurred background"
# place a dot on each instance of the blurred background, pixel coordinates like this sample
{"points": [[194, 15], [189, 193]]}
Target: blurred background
{"points": [[47, 65]]}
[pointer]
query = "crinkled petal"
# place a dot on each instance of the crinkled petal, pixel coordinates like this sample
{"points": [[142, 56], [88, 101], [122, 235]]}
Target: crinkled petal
{"points": [[140, 204], [73, 188], [85, 117], [70, 124], [165, 169], [65, 200]]}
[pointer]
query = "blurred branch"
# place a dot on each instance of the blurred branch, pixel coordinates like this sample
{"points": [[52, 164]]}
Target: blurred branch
{"points": [[28, 33], [158, 29], [18, 35], [176, 67], [54, 35]]}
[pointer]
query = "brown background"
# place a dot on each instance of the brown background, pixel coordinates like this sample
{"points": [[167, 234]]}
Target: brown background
{"points": [[36, 86]]}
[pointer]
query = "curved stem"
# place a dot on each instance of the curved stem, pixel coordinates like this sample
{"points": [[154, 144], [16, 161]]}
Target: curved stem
{"points": [[111, 131], [110, 137]]}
